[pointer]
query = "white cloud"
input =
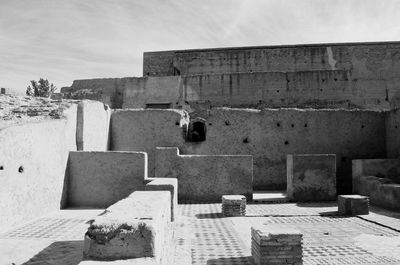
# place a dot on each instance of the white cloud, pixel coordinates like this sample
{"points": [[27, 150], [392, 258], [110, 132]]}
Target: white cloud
{"points": [[67, 40]]}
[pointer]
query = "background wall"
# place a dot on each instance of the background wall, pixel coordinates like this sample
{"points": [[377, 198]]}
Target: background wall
{"points": [[33, 160], [269, 135], [100, 179], [373, 60], [144, 130]]}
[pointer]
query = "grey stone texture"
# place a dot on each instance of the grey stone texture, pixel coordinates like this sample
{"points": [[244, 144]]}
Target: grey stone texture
{"points": [[99, 179], [206, 177], [311, 177], [135, 227], [353, 205], [171, 185], [274, 245], [379, 180], [233, 205]]}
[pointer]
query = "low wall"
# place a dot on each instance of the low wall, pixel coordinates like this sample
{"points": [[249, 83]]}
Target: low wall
{"points": [[99, 179], [381, 168], [143, 130], [206, 177], [93, 123], [33, 161]]}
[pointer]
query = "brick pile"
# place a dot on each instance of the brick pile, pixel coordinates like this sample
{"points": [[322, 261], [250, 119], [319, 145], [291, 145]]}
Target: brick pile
{"points": [[233, 205], [274, 245], [353, 205]]}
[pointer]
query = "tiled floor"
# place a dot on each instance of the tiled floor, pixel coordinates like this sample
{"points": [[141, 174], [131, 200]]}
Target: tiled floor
{"points": [[203, 236]]}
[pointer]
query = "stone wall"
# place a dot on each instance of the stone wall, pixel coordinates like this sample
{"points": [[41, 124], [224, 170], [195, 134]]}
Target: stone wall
{"points": [[269, 135], [393, 133], [144, 130], [364, 60], [99, 179], [206, 177], [33, 160]]}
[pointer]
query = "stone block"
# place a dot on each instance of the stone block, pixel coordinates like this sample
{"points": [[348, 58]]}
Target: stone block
{"points": [[171, 185], [311, 177], [233, 205], [353, 205], [135, 227], [271, 244]]}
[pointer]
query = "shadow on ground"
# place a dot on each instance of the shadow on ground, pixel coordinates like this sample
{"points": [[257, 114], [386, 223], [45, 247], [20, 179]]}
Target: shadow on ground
{"points": [[59, 253], [209, 215], [230, 261]]}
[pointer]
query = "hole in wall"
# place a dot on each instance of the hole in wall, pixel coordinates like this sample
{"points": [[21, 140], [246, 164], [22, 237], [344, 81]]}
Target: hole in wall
{"points": [[286, 142], [335, 79], [277, 91], [344, 159], [305, 125], [1, 168], [210, 123], [278, 124], [227, 123], [395, 126], [246, 140], [21, 169], [362, 126], [177, 123], [320, 89], [197, 130], [292, 125]]}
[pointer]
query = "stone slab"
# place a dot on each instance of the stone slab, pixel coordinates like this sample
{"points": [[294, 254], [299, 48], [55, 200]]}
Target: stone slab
{"points": [[353, 205], [171, 185], [311, 177], [135, 227]]}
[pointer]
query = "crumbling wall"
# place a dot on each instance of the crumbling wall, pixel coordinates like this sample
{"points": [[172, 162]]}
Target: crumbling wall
{"points": [[373, 60], [33, 160], [143, 130], [269, 135]]}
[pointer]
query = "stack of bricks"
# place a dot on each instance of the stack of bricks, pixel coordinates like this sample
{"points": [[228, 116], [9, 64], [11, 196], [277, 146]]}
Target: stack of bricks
{"points": [[353, 205], [233, 205], [274, 245]]}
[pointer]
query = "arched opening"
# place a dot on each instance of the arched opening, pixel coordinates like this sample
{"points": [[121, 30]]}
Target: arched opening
{"points": [[197, 130]]}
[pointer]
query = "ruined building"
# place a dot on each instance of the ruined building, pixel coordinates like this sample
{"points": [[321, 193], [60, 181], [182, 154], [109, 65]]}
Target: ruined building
{"points": [[219, 121]]}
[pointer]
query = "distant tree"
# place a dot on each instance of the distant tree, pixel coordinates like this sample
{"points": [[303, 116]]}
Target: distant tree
{"points": [[41, 88]]}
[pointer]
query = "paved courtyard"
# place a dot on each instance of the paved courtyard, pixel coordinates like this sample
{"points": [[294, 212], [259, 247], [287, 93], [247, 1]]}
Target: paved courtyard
{"points": [[206, 237]]}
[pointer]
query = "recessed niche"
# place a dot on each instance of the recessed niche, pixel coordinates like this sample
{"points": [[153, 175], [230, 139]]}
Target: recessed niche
{"points": [[197, 130]]}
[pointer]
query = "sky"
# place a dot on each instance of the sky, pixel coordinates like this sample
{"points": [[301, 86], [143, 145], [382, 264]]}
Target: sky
{"points": [[65, 40]]}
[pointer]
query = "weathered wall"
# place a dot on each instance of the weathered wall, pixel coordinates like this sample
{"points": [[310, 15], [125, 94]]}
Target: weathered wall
{"points": [[370, 60], [143, 130], [99, 179], [269, 135], [393, 133], [324, 88], [93, 123], [206, 177], [33, 160]]}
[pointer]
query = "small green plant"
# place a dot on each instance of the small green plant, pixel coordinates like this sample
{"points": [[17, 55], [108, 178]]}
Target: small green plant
{"points": [[41, 88]]}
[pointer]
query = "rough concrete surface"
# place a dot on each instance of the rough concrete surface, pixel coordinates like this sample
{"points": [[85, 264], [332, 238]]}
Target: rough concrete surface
{"points": [[93, 123], [33, 160], [99, 179], [269, 135], [206, 177], [143, 130], [311, 177], [171, 185]]}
